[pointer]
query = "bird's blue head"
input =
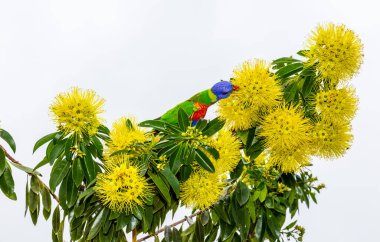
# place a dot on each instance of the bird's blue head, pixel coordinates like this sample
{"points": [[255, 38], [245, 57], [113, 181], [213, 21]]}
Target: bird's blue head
{"points": [[223, 89]]}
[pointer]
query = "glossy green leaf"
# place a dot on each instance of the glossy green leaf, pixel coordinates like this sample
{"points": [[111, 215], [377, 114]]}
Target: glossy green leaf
{"points": [[213, 126], [44, 140], [154, 124], [35, 184], [2, 162], [55, 152], [90, 166], [77, 172], [289, 70], [263, 194], [199, 231], [98, 223], [59, 171], [172, 180], [41, 163], [56, 219], [204, 161], [183, 119], [8, 138], [161, 186], [242, 193], [46, 199], [7, 184], [285, 60]]}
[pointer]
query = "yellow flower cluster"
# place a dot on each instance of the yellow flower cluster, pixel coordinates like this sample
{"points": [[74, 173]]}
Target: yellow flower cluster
{"points": [[125, 133], [336, 51], [77, 110], [258, 90], [228, 147], [121, 187], [336, 105], [202, 189], [287, 138], [331, 140]]}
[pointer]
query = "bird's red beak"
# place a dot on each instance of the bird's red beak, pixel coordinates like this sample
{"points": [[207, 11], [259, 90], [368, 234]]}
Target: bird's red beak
{"points": [[235, 88]]}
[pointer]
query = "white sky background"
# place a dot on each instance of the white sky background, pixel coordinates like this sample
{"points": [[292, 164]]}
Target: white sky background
{"points": [[144, 57]]}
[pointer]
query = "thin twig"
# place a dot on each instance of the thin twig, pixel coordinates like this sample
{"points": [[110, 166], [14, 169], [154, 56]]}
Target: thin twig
{"points": [[13, 160], [171, 225]]}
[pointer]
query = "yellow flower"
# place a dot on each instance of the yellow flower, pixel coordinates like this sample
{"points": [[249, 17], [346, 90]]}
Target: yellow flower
{"points": [[336, 51], [285, 129], [124, 134], [228, 147], [336, 105], [289, 161], [201, 190], [121, 187], [77, 111], [331, 140], [236, 115], [258, 90]]}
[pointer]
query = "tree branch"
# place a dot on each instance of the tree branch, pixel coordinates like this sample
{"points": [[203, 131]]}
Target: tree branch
{"points": [[13, 160], [171, 225]]}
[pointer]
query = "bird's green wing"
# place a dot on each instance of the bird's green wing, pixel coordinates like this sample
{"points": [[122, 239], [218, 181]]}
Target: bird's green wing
{"points": [[171, 116]]}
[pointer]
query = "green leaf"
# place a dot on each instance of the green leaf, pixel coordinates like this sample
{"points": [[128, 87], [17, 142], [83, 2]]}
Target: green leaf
{"points": [[41, 163], [2, 162], [242, 193], [213, 126], [219, 210], [34, 200], [26, 169], [285, 60], [55, 152], [44, 140], [7, 184], [263, 194], [8, 138], [46, 199], [176, 235], [90, 166], [59, 171], [98, 223], [260, 228], [204, 161], [199, 231], [289, 70], [212, 151], [56, 219], [251, 209], [291, 225], [35, 184], [183, 119], [77, 172], [168, 234], [201, 124], [172, 180], [303, 53], [154, 124], [148, 218], [308, 85], [161, 186]]}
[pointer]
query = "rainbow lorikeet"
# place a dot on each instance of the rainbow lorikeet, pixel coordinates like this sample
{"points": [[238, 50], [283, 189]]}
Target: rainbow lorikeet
{"points": [[196, 106]]}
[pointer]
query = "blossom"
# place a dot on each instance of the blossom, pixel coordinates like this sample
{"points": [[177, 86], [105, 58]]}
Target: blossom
{"points": [[228, 147], [258, 89], [125, 133], [331, 140], [201, 190], [336, 52], [77, 111], [285, 129], [289, 161], [336, 105], [121, 187]]}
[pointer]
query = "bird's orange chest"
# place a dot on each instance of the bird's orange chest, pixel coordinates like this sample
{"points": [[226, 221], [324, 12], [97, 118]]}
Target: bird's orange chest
{"points": [[201, 111]]}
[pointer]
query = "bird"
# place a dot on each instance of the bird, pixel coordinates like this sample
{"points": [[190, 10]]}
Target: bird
{"points": [[196, 106]]}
